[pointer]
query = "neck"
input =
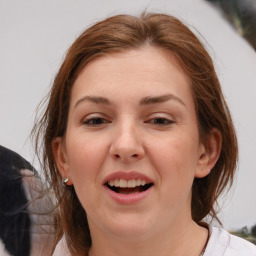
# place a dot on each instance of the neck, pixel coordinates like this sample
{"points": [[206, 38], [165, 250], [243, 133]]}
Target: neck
{"points": [[185, 238]]}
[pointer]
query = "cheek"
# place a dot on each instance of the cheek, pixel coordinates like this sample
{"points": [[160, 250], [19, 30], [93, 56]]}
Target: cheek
{"points": [[175, 152], [85, 158], [175, 161], [84, 164]]}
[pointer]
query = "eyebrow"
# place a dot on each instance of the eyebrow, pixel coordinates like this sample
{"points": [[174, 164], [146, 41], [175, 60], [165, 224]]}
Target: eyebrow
{"points": [[160, 99], [144, 101], [93, 99]]}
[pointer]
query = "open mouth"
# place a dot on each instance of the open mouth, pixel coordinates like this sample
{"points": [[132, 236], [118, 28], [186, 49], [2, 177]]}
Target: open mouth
{"points": [[122, 186]]}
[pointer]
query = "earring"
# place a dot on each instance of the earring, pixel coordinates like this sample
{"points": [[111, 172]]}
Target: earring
{"points": [[65, 181]]}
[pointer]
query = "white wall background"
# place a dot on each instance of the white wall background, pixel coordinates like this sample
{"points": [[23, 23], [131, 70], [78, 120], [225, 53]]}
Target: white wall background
{"points": [[34, 36]]}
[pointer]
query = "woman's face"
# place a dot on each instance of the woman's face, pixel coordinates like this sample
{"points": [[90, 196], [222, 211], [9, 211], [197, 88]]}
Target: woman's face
{"points": [[132, 148]]}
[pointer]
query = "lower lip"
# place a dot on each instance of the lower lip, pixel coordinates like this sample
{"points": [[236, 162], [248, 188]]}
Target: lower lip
{"points": [[128, 198]]}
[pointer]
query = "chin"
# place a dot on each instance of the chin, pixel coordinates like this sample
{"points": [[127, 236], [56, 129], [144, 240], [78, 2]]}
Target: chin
{"points": [[130, 233], [130, 227]]}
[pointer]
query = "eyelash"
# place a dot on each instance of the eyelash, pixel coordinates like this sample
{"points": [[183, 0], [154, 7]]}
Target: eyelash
{"points": [[163, 121]]}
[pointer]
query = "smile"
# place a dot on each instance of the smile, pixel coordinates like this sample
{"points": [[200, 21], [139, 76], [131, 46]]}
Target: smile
{"points": [[128, 187], [123, 186]]}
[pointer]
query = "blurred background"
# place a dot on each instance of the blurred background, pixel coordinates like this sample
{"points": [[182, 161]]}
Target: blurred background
{"points": [[36, 34]]}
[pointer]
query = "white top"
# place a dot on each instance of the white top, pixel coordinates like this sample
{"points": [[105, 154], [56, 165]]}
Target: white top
{"points": [[221, 243]]}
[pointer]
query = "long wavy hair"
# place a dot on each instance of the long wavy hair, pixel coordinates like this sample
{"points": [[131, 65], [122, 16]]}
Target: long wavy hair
{"points": [[118, 34]]}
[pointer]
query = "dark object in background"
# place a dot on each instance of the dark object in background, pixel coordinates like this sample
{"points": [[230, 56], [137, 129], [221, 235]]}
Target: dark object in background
{"points": [[26, 220], [15, 222], [242, 15]]}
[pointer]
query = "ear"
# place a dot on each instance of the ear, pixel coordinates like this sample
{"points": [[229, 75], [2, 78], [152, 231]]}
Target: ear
{"points": [[209, 152], [60, 156]]}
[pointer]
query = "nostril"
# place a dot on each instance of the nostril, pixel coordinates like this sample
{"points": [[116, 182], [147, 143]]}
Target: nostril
{"points": [[126, 156]]}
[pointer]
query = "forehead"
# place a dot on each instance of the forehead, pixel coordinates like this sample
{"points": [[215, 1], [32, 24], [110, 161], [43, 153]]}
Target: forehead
{"points": [[147, 70]]}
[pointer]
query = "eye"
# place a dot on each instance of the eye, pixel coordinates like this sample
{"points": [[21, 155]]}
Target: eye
{"points": [[94, 121], [161, 121]]}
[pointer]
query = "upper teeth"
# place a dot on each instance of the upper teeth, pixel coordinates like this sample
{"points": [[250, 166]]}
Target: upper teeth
{"points": [[126, 183]]}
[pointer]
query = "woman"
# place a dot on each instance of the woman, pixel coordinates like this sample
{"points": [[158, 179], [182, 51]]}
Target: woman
{"points": [[138, 131]]}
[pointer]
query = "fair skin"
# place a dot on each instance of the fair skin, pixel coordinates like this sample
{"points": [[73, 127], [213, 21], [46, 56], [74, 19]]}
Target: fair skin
{"points": [[132, 116]]}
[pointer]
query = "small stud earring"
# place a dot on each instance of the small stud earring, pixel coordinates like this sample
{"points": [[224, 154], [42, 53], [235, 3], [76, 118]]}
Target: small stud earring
{"points": [[65, 181]]}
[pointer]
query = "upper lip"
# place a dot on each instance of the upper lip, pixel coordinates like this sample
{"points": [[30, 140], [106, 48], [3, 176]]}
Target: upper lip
{"points": [[127, 175]]}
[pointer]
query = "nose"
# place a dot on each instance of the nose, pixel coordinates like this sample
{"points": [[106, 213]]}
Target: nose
{"points": [[127, 144]]}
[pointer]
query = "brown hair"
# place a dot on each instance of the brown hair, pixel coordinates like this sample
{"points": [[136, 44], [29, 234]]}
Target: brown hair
{"points": [[116, 34]]}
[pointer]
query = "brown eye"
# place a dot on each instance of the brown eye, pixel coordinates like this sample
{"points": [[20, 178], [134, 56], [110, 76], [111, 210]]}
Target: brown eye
{"points": [[160, 121], [95, 121]]}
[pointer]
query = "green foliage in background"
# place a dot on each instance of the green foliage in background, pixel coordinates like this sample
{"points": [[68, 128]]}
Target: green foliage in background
{"points": [[247, 234]]}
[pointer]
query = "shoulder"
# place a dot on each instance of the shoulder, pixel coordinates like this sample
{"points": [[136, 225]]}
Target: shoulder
{"points": [[223, 243], [61, 248]]}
